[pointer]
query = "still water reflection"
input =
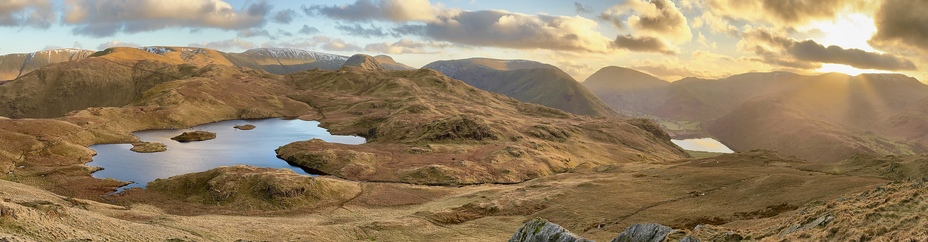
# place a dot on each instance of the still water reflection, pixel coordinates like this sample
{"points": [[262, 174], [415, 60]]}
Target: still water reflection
{"points": [[231, 147], [702, 144]]}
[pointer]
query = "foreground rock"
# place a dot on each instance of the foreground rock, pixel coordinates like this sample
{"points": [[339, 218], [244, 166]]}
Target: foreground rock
{"points": [[540, 230], [148, 147], [195, 136], [245, 127], [644, 233]]}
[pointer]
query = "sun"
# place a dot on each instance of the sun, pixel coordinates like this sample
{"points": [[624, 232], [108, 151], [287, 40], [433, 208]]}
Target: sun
{"points": [[846, 69], [849, 31]]}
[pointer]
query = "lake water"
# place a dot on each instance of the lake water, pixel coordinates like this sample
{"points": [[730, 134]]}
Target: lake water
{"points": [[231, 147], [702, 144]]}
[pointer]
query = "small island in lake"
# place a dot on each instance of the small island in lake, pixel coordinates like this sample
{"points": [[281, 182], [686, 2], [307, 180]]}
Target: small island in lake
{"points": [[194, 136]]}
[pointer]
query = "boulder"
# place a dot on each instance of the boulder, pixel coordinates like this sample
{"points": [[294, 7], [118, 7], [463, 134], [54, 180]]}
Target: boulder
{"points": [[644, 233], [541, 230]]}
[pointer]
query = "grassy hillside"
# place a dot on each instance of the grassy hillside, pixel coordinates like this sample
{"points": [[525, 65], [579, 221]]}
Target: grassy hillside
{"points": [[526, 81]]}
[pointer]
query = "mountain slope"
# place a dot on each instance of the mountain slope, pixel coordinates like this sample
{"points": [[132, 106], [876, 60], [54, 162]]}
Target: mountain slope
{"points": [[626, 90], [16, 65], [526, 81], [829, 118], [364, 62]]}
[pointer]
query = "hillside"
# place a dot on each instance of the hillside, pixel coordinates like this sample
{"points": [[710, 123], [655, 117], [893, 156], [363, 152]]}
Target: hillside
{"points": [[824, 118], [364, 62], [626, 90], [526, 81], [829, 118], [469, 136], [16, 65]]}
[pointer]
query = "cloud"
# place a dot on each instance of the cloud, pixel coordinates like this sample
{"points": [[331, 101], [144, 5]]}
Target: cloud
{"points": [[358, 30], [231, 44], [101, 18], [116, 43], [657, 18], [715, 23], [285, 16], [78, 45], [252, 32], [306, 30], [499, 28], [902, 22], [31, 13], [485, 28], [806, 53], [582, 8], [319, 41], [643, 44], [787, 13], [367, 10], [405, 46], [284, 33]]}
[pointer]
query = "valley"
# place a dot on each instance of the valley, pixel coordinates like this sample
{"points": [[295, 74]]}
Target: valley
{"points": [[440, 160]]}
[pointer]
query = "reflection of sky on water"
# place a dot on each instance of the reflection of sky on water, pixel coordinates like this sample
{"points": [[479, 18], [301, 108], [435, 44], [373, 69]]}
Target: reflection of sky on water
{"points": [[702, 144], [231, 147]]}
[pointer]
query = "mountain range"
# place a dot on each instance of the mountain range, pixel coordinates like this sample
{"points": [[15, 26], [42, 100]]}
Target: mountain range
{"points": [[446, 160], [526, 81], [825, 118]]}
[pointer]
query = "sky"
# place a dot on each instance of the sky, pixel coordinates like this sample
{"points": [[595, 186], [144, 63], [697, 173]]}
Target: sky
{"points": [[671, 39]]}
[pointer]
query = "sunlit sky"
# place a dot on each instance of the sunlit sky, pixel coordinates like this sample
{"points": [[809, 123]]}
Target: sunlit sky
{"points": [[670, 39]]}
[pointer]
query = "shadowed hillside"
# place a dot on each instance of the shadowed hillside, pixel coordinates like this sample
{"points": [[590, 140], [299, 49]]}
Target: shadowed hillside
{"points": [[626, 90], [526, 81], [823, 118]]}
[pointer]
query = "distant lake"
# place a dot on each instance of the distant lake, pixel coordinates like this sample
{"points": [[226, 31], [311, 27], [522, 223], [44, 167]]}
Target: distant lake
{"points": [[231, 147], [702, 144]]}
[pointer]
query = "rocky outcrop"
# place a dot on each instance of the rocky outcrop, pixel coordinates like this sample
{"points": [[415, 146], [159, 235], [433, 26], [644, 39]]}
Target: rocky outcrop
{"points": [[249, 187], [644, 233], [245, 127], [194, 136], [540, 230], [148, 147]]}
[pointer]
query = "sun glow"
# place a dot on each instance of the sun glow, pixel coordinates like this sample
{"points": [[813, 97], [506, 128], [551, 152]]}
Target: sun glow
{"points": [[849, 31], [846, 69]]}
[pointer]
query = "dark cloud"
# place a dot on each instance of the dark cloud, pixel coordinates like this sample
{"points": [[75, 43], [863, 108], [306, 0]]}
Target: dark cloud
{"points": [[902, 22], [358, 30], [582, 8], [642, 44], [780, 50], [31, 13], [811, 51], [284, 33], [225, 45], [306, 30], [96, 17], [285, 16]]}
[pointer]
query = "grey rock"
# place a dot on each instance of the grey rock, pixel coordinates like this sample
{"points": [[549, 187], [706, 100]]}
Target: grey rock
{"points": [[540, 230], [644, 233]]}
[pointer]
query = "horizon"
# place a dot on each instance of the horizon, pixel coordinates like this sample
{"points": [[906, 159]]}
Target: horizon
{"points": [[671, 40]]}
